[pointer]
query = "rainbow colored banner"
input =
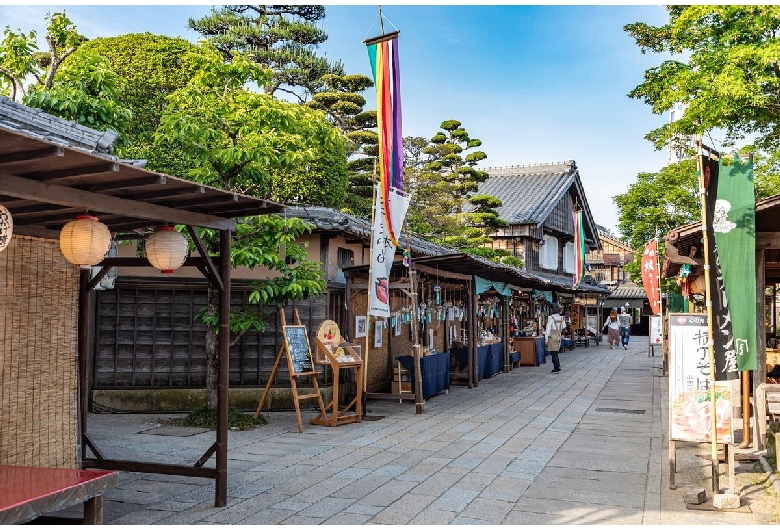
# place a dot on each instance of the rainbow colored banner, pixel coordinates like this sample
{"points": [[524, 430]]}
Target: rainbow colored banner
{"points": [[579, 249], [387, 79]]}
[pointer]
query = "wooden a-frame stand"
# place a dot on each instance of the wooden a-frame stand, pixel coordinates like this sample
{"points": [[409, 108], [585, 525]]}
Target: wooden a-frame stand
{"points": [[293, 376], [340, 417]]}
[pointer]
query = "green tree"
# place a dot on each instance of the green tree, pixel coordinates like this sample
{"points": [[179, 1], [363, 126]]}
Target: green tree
{"points": [[240, 140], [85, 90], [725, 68], [152, 67], [343, 103], [443, 178], [655, 204], [282, 38]]}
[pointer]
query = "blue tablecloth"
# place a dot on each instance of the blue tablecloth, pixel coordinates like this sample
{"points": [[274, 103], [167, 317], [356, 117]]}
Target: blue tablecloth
{"points": [[462, 356], [541, 351], [490, 359], [435, 371]]}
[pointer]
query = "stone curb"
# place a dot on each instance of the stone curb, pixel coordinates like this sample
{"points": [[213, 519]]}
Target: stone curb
{"points": [[772, 476]]}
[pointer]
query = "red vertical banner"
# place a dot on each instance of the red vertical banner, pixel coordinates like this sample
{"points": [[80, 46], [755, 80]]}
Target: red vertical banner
{"points": [[650, 275]]}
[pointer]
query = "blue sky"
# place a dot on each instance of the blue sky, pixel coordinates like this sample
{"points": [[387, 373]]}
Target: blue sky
{"points": [[536, 84]]}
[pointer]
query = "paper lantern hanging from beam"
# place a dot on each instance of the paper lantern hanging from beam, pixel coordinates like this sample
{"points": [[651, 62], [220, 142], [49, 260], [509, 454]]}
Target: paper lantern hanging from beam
{"points": [[6, 227], [166, 249], [85, 241]]}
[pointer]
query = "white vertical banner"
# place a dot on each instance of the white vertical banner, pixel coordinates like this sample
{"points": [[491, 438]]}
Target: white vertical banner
{"points": [[690, 407], [383, 251]]}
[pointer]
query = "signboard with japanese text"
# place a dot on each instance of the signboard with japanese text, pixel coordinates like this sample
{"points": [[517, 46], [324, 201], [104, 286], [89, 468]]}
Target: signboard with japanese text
{"points": [[655, 331], [689, 383]]}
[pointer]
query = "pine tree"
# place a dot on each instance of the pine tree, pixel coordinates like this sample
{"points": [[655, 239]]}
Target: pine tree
{"points": [[282, 38]]}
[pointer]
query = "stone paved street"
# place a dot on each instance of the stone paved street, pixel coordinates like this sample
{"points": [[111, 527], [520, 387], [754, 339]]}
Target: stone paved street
{"points": [[586, 446]]}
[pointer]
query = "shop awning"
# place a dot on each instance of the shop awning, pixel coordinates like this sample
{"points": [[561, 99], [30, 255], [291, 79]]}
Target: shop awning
{"points": [[483, 285]]}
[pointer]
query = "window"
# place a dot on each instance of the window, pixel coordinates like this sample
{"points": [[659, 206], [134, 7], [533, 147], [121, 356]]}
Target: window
{"points": [[548, 254], [568, 257], [344, 258]]}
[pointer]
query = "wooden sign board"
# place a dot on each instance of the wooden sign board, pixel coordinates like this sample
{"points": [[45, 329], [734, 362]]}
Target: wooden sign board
{"points": [[689, 384], [298, 351]]}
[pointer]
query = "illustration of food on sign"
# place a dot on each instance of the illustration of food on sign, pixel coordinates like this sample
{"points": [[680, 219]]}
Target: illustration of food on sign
{"points": [[691, 415], [382, 291]]}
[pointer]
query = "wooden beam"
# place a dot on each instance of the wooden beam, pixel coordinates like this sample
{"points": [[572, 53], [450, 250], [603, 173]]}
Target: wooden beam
{"points": [[442, 273], [99, 276], [74, 198], [150, 467], [767, 240], [73, 173], [151, 180], [192, 261], [36, 231], [32, 154], [211, 269]]}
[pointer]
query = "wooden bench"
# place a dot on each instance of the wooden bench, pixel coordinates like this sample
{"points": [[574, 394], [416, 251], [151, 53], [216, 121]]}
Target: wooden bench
{"points": [[29, 492]]}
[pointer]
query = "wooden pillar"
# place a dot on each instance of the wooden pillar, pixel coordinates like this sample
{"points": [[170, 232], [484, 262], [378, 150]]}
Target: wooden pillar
{"points": [[759, 376], [474, 339], [83, 356], [224, 367], [505, 333]]}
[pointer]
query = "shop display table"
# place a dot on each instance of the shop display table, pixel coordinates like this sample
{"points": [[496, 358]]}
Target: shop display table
{"points": [[435, 372], [27, 492], [490, 359]]}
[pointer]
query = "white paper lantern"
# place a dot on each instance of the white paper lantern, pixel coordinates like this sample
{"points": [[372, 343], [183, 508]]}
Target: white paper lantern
{"points": [[85, 241], [166, 249], [6, 227]]}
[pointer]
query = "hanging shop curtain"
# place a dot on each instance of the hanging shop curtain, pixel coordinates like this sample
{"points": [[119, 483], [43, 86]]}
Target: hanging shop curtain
{"points": [[485, 285]]}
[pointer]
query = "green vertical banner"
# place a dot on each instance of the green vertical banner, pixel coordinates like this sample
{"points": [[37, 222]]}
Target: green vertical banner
{"points": [[734, 225]]}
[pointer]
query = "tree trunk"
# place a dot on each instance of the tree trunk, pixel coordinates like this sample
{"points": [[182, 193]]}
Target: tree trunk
{"points": [[212, 362]]}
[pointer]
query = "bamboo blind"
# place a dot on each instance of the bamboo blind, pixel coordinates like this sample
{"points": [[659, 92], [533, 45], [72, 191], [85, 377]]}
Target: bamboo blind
{"points": [[38, 355]]}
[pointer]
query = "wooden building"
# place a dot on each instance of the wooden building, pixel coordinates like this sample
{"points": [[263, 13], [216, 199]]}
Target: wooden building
{"points": [[537, 202]]}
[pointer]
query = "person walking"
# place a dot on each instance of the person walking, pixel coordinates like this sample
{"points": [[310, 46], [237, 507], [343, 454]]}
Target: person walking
{"points": [[625, 320], [612, 327], [553, 337]]}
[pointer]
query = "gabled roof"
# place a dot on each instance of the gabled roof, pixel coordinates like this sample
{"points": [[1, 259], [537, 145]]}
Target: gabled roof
{"points": [[628, 291], [530, 193]]}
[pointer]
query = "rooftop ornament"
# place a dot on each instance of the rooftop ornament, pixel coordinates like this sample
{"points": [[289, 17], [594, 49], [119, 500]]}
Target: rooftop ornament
{"points": [[166, 249], [85, 241]]}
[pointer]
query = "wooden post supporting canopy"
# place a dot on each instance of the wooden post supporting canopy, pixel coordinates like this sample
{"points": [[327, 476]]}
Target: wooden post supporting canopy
{"points": [[224, 369]]}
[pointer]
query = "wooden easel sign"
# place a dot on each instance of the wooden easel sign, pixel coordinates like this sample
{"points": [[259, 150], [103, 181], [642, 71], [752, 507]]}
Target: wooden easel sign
{"points": [[299, 364]]}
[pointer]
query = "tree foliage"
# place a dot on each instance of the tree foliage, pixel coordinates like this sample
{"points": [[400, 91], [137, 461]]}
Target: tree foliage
{"points": [[730, 79], [442, 177], [655, 204], [282, 38], [152, 67], [240, 140], [84, 90], [342, 101]]}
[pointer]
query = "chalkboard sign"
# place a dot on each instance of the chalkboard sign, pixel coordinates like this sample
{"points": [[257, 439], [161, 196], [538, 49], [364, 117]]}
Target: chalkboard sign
{"points": [[298, 349]]}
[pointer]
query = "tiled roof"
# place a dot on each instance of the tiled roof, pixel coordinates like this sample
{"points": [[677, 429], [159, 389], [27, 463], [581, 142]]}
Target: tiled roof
{"points": [[37, 123], [628, 291], [528, 193], [329, 219]]}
